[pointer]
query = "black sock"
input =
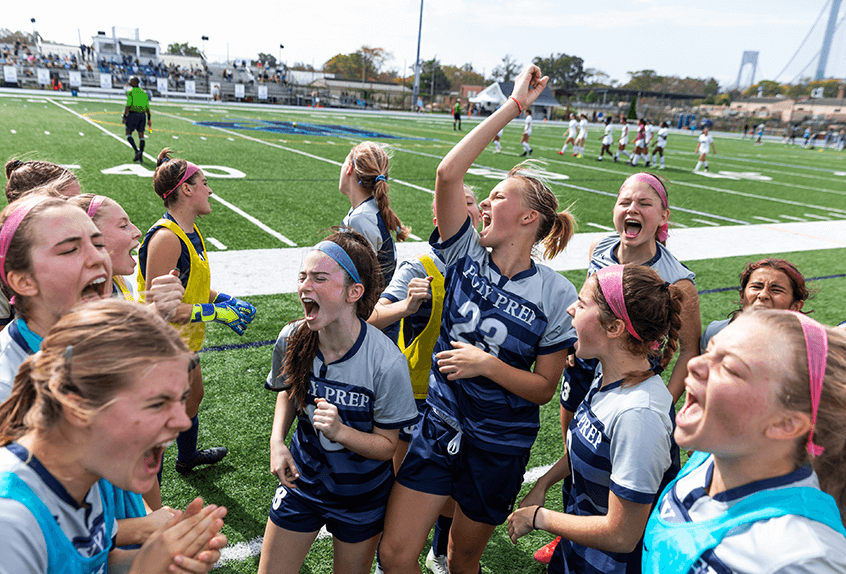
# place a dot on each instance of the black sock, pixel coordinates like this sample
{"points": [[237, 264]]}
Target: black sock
{"points": [[131, 142], [440, 539], [141, 144], [186, 442]]}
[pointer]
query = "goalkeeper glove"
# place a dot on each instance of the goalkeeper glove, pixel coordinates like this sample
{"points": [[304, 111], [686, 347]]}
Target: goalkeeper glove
{"points": [[219, 313], [246, 310]]}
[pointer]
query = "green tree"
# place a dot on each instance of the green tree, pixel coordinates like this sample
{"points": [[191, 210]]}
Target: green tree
{"points": [[183, 49], [507, 70], [829, 87], [363, 64], [712, 88], [632, 115], [798, 90], [769, 89], [461, 76], [596, 77], [643, 80], [268, 59], [563, 70], [431, 70], [723, 99]]}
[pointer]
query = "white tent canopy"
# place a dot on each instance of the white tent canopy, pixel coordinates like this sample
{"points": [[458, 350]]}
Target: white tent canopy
{"points": [[490, 95]]}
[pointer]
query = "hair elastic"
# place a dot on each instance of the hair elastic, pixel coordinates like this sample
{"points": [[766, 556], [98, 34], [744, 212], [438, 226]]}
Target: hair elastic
{"points": [[655, 183], [95, 204], [519, 107], [816, 345], [381, 177], [611, 284], [10, 226], [189, 171], [340, 256]]}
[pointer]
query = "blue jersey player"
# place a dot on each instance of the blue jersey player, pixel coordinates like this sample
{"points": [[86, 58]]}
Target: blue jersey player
{"points": [[500, 354], [619, 445], [348, 387], [765, 490]]}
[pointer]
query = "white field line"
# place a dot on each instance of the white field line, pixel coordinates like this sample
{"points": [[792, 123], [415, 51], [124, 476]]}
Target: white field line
{"points": [[292, 150], [706, 222], [767, 219], [790, 173], [216, 243], [245, 550], [605, 227], [761, 197], [787, 201], [811, 215], [237, 210], [596, 191], [792, 217], [677, 224]]}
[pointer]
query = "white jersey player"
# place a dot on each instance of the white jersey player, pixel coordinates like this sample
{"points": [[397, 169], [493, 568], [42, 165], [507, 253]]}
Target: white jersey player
{"points": [[705, 145], [661, 143], [571, 133]]}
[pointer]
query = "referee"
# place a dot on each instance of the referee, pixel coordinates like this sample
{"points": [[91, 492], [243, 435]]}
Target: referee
{"points": [[137, 106]]}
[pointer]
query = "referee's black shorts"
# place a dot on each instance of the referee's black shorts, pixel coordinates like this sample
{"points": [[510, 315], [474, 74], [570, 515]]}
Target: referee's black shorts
{"points": [[135, 122]]}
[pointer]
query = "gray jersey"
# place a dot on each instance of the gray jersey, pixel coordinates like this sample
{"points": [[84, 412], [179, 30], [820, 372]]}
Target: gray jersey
{"points": [[25, 545], [12, 355]]}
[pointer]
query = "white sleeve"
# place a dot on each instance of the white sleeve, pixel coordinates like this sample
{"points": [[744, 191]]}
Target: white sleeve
{"points": [[395, 406], [640, 455]]}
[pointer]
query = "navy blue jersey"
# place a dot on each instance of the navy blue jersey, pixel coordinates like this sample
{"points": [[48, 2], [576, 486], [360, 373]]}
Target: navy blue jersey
{"points": [[619, 441], [370, 386], [514, 319]]}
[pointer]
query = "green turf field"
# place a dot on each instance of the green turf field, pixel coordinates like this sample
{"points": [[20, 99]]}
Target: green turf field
{"points": [[289, 185]]}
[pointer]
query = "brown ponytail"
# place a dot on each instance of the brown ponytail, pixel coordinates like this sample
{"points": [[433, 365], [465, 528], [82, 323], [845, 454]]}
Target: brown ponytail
{"points": [[555, 228], [26, 177], [372, 163], [654, 308], [169, 172]]}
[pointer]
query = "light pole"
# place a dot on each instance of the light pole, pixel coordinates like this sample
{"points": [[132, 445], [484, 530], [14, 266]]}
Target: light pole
{"points": [[279, 63], [34, 37], [416, 89], [204, 38]]}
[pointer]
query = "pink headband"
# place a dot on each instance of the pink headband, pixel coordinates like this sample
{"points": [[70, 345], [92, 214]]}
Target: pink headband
{"points": [[655, 184], [189, 171], [611, 284], [816, 345], [10, 226], [95, 204]]}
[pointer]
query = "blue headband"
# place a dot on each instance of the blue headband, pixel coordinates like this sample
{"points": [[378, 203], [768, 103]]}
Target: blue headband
{"points": [[337, 253]]}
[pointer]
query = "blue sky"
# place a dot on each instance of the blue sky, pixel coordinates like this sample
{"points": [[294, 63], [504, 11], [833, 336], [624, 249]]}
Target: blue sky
{"points": [[671, 37]]}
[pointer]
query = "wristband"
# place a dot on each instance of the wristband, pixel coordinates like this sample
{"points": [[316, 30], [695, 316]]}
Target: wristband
{"points": [[535, 517], [519, 107]]}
